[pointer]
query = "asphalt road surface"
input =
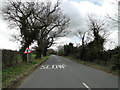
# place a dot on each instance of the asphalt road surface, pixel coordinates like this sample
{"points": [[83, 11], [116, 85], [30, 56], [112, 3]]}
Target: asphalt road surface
{"points": [[58, 72]]}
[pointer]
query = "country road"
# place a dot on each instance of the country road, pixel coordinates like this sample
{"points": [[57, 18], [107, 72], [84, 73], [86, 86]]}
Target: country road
{"points": [[58, 72]]}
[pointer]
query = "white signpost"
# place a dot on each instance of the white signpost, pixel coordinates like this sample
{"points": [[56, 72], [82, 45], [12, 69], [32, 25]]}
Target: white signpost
{"points": [[27, 50]]}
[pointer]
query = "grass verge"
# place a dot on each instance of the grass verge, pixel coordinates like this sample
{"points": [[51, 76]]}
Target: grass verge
{"points": [[11, 76], [96, 66]]}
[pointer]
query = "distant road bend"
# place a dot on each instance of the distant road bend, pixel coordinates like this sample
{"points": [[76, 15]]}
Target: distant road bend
{"points": [[58, 72]]}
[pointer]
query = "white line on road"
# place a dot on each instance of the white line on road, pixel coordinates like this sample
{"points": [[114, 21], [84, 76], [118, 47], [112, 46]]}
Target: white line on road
{"points": [[63, 66], [87, 86]]}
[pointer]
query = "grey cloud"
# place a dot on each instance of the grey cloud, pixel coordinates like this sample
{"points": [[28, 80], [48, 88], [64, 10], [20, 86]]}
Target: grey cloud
{"points": [[73, 13]]}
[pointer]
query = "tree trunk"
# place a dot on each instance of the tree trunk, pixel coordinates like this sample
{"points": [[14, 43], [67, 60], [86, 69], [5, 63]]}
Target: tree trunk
{"points": [[39, 49], [24, 56], [38, 53], [45, 52]]}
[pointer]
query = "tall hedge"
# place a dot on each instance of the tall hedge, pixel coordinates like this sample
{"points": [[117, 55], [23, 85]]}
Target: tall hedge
{"points": [[10, 58]]}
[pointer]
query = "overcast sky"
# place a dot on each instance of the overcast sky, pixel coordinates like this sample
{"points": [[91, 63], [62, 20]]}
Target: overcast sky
{"points": [[77, 10]]}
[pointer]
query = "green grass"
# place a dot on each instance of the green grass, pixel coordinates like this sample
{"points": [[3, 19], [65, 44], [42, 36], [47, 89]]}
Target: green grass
{"points": [[19, 58], [33, 56], [10, 73], [106, 69], [0, 79]]}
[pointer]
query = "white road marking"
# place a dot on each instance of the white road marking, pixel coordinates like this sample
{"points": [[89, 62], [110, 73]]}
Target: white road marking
{"points": [[64, 65], [87, 86], [53, 66], [61, 66], [47, 67], [42, 67]]}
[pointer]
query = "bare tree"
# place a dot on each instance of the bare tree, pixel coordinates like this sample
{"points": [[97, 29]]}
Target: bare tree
{"points": [[99, 32], [83, 36], [22, 15], [60, 50], [98, 27], [116, 16], [55, 23], [35, 21]]}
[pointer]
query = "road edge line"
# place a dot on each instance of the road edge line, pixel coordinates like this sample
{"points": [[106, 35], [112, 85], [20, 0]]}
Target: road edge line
{"points": [[87, 86]]}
